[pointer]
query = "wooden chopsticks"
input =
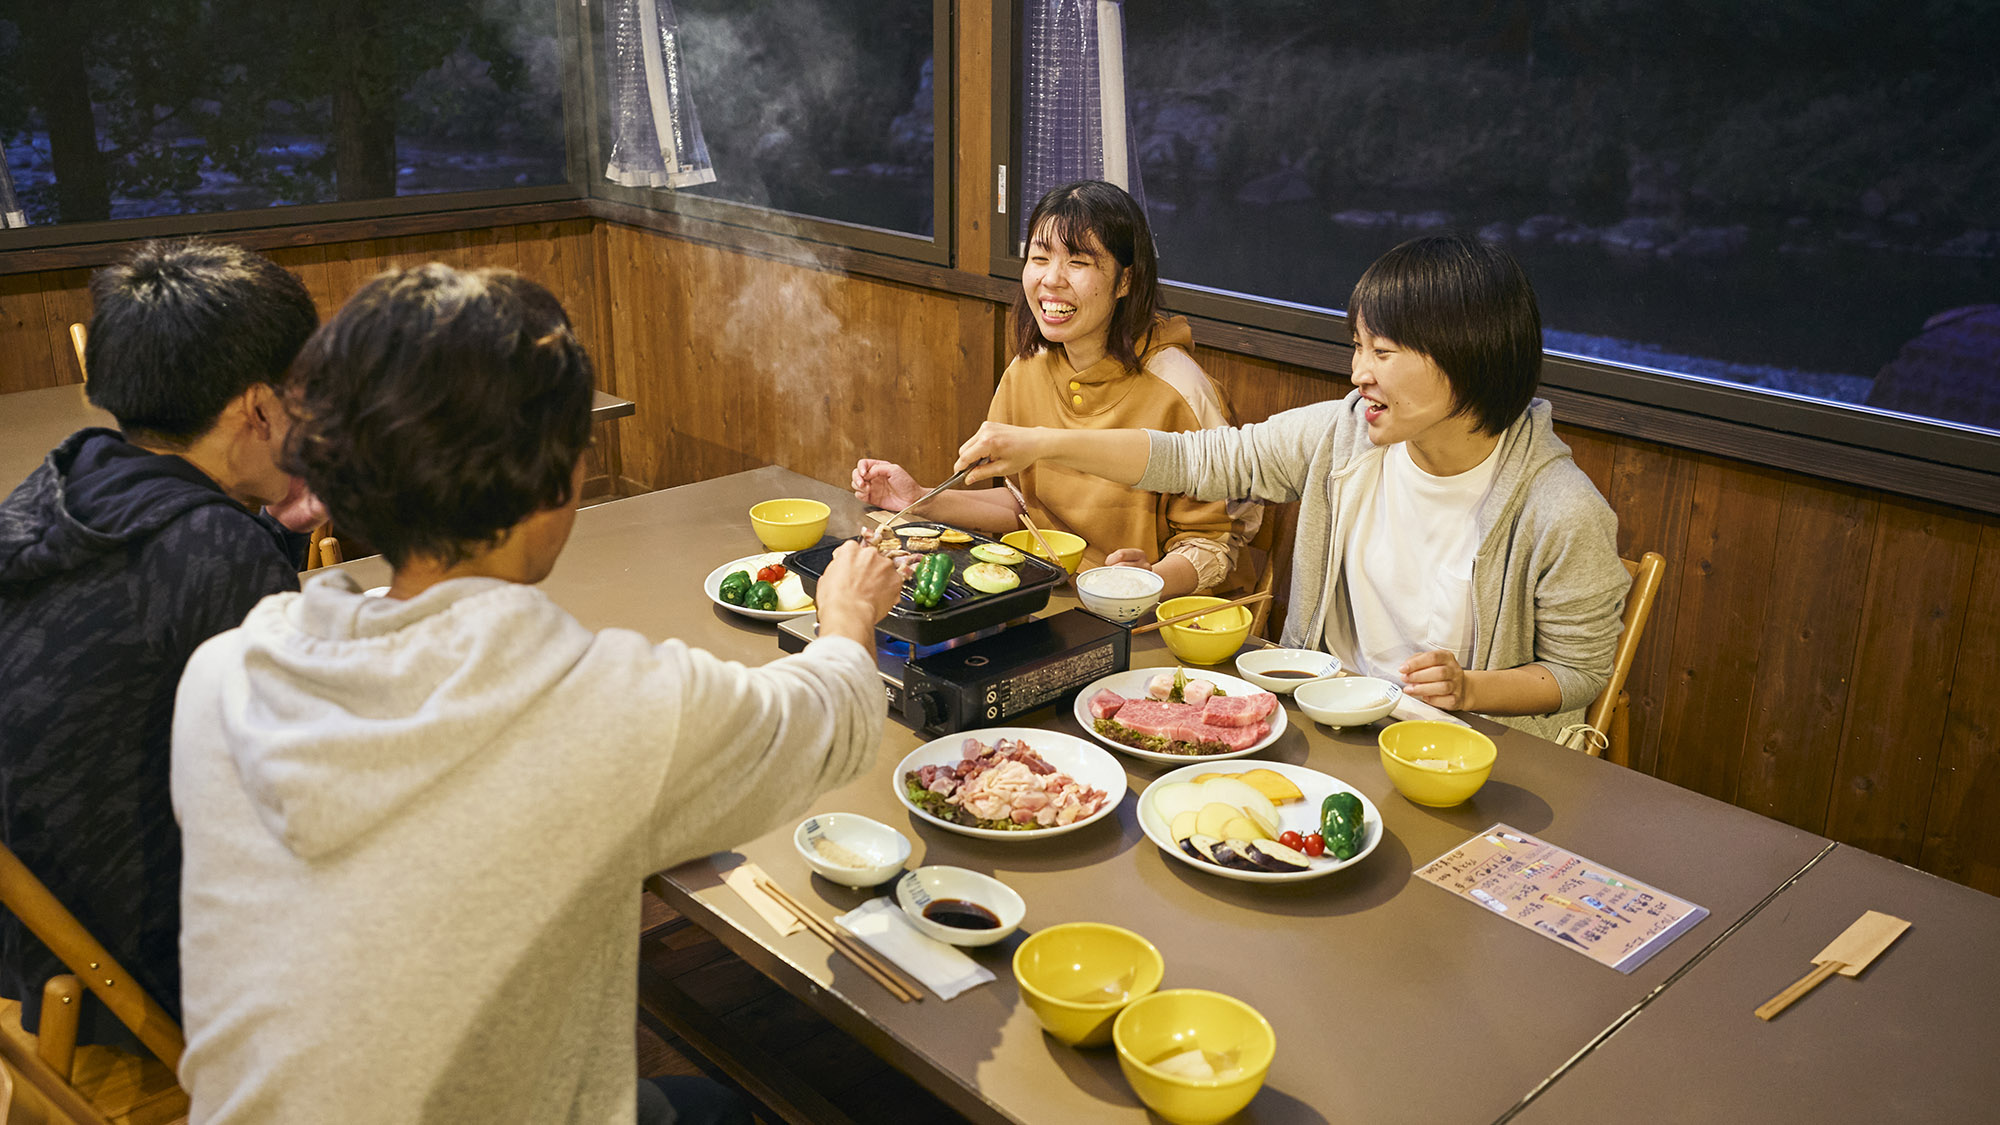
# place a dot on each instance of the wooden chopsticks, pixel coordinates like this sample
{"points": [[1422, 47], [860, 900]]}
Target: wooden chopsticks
{"points": [[1021, 502], [885, 974], [1248, 599]]}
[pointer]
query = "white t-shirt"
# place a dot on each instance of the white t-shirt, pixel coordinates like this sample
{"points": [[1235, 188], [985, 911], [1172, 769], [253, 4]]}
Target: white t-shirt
{"points": [[1407, 569]]}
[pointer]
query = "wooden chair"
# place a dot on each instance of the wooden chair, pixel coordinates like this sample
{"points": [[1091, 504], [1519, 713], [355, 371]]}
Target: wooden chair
{"points": [[323, 548], [79, 336], [1274, 541], [51, 1078], [1611, 712]]}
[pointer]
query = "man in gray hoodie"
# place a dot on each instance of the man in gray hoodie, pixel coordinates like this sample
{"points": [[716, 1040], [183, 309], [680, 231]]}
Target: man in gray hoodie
{"points": [[416, 824]]}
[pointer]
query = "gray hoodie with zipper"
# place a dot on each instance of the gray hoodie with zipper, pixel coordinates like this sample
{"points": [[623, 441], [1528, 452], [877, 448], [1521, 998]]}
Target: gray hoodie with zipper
{"points": [[1547, 586], [414, 834]]}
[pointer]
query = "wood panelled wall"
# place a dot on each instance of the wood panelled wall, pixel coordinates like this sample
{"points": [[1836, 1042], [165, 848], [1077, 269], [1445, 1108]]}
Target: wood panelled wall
{"points": [[1824, 655]]}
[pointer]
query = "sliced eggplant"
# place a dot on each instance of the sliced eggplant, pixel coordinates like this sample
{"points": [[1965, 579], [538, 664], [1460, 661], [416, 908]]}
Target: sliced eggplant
{"points": [[919, 531], [1234, 853], [1273, 856], [1199, 846]]}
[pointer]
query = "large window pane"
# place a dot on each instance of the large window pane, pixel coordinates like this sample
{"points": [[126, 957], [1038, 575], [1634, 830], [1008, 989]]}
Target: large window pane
{"points": [[113, 109], [1775, 193], [817, 107]]}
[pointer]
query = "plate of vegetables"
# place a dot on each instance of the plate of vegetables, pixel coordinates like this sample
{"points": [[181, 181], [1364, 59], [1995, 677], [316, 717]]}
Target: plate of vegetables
{"points": [[758, 586], [1274, 823], [1009, 783]]}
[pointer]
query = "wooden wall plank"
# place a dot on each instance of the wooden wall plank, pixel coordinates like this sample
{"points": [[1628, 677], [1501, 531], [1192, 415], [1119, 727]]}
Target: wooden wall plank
{"points": [[66, 301], [1913, 612], [26, 360], [1731, 544], [1962, 830], [1800, 694], [1652, 490], [1595, 453]]}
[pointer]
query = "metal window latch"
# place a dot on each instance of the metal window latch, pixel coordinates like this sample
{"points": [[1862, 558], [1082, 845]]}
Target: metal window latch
{"points": [[1000, 190]]}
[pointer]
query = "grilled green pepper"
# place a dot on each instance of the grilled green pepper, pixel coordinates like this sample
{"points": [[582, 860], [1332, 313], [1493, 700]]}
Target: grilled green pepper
{"points": [[734, 585], [933, 575], [1341, 824], [761, 595]]}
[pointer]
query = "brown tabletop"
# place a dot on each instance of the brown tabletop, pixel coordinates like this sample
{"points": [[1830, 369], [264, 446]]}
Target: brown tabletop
{"points": [[34, 422], [1378, 984], [1907, 1040]]}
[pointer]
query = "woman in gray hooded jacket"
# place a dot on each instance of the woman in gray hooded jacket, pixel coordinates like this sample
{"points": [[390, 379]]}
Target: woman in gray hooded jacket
{"points": [[1446, 539]]}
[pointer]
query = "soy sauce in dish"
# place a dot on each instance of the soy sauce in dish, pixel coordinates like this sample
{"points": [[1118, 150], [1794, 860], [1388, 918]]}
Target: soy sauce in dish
{"points": [[960, 914], [1291, 674]]}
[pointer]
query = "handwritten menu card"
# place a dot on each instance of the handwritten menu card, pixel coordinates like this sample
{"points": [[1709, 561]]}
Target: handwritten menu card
{"points": [[1611, 918]]}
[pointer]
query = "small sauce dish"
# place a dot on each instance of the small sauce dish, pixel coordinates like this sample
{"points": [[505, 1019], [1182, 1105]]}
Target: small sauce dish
{"points": [[850, 849], [958, 906], [1349, 701], [1281, 671]]}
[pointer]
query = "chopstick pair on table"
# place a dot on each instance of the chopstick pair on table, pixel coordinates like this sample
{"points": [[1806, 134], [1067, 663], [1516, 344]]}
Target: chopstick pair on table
{"points": [[843, 942]]}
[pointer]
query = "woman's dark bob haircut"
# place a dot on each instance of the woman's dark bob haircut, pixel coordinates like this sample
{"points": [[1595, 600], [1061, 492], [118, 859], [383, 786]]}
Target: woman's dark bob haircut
{"points": [[1065, 219], [438, 408], [1467, 306]]}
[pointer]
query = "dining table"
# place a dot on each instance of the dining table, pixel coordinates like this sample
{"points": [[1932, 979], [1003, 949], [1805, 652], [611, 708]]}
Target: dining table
{"points": [[1391, 998], [34, 422]]}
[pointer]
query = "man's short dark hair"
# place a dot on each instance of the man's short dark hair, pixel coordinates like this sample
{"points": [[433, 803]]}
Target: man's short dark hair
{"points": [[440, 407], [1467, 305], [180, 328]]}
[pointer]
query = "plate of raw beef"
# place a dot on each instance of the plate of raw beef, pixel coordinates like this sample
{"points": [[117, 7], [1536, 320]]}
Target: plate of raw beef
{"points": [[1216, 716]]}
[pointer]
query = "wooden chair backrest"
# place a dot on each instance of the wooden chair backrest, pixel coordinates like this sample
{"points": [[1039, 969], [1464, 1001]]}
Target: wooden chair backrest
{"points": [[58, 929], [1638, 607], [1274, 540], [79, 337]]}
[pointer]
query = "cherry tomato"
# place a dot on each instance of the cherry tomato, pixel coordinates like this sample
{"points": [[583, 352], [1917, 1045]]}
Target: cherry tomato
{"points": [[1290, 838], [1313, 845], [772, 574]]}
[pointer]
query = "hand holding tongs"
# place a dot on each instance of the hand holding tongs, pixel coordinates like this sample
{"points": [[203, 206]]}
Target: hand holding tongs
{"points": [[955, 478]]}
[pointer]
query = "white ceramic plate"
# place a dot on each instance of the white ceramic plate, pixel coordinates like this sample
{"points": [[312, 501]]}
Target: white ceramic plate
{"points": [[1132, 685], [1299, 816], [1067, 753], [712, 586]]}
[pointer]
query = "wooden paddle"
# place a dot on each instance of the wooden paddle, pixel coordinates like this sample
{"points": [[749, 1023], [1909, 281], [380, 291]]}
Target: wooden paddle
{"points": [[1847, 955]]}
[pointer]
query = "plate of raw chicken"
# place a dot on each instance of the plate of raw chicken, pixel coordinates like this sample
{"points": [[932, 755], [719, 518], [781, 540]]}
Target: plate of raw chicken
{"points": [[1180, 715], [1009, 783]]}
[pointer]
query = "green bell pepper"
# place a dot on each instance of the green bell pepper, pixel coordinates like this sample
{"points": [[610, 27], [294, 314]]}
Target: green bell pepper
{"points": [[928, 585], [761, 595], [1341, 824], [734, 585]]}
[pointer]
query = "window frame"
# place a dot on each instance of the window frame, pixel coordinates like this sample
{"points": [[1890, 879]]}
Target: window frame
{"points": [[1878, 449], [720, 214], [23, 243]]}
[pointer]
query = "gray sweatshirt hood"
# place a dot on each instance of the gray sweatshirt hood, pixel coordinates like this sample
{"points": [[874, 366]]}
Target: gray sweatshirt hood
{"points": [[348, 707]]}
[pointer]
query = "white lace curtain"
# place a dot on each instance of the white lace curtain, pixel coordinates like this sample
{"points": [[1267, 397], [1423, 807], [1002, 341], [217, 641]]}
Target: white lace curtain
{"points": [[11, 214], [1077, 127], [655, 136]]}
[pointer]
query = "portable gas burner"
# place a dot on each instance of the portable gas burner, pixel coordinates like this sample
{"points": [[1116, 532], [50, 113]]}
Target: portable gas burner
{"points": [[988, 677], [976, 659]]}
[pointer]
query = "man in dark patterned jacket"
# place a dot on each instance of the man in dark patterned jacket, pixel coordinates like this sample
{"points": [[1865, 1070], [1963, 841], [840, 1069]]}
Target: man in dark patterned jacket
{"points": [[119, 555]]}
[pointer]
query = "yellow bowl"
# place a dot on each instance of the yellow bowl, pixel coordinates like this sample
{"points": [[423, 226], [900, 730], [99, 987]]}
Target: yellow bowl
{"points": [[789, 525], [1465, 754], [1154, 1029], [1220, 635], [1077, 977], [1068, 548]]}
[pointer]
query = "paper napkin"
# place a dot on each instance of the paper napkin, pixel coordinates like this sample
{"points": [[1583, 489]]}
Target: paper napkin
{"points": [[943, 968], [1410, 708], [743, 880]]}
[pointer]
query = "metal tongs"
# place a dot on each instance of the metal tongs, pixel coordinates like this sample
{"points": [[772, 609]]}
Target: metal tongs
{"points": [[955, 478]]}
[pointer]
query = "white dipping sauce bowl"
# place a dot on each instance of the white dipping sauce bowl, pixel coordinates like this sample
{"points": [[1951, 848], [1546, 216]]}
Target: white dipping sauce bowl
{"points": [[1257, 664], [918, 889], [1349, 701], [1119, 593], [884, 848]]}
